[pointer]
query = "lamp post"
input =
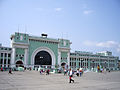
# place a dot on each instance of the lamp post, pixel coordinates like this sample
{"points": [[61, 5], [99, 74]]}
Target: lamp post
{"points": [[105, 65], [93, 64]]}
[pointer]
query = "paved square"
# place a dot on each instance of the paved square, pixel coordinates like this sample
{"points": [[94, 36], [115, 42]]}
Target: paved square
{"points": [[32, 80]]}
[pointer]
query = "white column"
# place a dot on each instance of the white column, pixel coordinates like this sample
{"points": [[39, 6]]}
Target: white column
{"points": [[26, 57], [59, 58], [13, 57], [80, 62], [68, 59], [7, 61], [3, 59], [86, 63]]}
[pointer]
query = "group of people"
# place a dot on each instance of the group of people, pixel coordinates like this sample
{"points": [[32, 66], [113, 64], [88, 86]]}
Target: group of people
{"points": [[101, 69], [70, 73], [10, 70], [47, 71], [79, 72]]}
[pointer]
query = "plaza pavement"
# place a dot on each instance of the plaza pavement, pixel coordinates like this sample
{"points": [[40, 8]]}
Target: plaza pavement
{"points": [[32, 80]]}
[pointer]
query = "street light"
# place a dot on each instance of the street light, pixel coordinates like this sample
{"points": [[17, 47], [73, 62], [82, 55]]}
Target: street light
{"points": [[105, 64], [93, 65]]}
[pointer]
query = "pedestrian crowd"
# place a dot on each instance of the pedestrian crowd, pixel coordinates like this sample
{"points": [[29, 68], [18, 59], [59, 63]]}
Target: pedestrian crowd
{"points": [[69, 72]]}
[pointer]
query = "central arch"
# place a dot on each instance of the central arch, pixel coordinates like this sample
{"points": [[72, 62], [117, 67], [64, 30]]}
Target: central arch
{"points": [[43, 58], [45, 49]]}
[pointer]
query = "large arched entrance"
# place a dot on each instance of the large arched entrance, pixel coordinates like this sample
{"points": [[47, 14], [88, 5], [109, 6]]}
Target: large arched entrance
{"points": [[43, 58], [36, 53]]}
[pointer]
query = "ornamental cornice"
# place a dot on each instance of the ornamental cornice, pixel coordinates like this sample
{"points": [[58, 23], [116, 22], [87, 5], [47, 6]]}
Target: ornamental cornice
{"points": [[20, 45], [43, 39], [4, 51], [64, 50]]}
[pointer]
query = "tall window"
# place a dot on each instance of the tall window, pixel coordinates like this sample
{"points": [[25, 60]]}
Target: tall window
{"points": [[9, 55], [1, 54], [1, 61]]}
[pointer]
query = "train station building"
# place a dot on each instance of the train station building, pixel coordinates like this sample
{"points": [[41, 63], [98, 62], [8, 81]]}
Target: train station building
{"points": [[33, 51]]}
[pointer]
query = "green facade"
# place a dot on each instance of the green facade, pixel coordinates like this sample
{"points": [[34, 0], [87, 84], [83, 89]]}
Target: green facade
{"points": [[64, 43], [64, 57], [25, 46], [36, 44], [21, 38], [20, 54], [90, 61]]}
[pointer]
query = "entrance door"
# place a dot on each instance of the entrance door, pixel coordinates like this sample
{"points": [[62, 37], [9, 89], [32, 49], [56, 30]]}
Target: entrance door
{"points": [[43, 58], [19, 64], [63, 65]]}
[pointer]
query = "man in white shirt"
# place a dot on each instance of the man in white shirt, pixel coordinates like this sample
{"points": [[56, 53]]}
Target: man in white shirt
{"points": [[70, 76]]}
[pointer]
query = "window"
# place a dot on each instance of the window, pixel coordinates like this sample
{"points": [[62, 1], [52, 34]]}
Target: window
{"points": [[5, 61], [1, 61], [70, 63], [1, 54], [25, 37], [16, 55], [21, 57], [8, 61], [5, 54], [17, 37], [9, 55], [10, 49]]}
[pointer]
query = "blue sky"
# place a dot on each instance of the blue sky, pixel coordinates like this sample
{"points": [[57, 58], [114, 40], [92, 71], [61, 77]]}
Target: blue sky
{"points": [[91, 25]]}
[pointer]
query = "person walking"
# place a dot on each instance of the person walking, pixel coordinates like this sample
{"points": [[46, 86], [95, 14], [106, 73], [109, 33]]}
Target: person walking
{"points": [[40, 71], [10, 71], [47, 72], [98, 68], [81, 72], [77, 73], [65, 72], [2, 69], [70, 76]]}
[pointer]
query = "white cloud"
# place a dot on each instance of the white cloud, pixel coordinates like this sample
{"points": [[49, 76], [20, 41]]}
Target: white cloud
{"points": [[107, 44], [58, 9], [87, 12]]}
